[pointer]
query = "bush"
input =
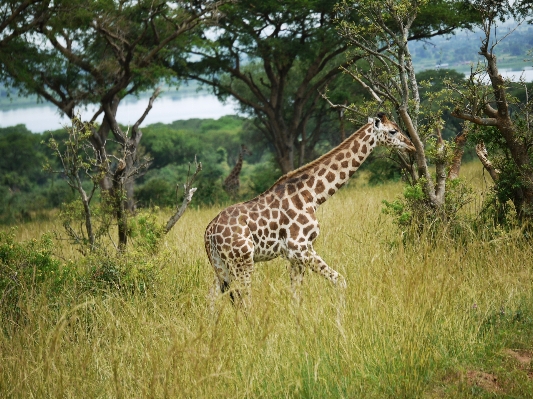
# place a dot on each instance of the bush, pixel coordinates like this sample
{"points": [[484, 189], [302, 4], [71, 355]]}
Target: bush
{"points": [[133, 272], [263, 176], [145, 232], [26, 269], [414, 214]]}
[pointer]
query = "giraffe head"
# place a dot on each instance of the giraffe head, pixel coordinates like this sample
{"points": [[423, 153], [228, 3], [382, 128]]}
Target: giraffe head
{"points": [[245, 150], [388, 134]]}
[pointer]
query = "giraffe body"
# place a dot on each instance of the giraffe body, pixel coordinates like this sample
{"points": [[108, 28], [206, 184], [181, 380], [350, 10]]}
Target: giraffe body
{"points": [[282, 221], [232, 183]]}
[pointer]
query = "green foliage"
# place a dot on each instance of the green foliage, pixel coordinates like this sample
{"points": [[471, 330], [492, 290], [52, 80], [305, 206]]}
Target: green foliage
{"points": [[156, 191], [145, 231], [27, 269], [25, 189], [512, 180], [414, 214], [132, 272], [436, 99], [380, 168], [22, 158], [73, 215], [173, 146], [263, 176]]}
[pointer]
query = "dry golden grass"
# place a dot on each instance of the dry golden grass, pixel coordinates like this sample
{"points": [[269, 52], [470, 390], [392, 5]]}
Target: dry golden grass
{"points": [[411, 315]]}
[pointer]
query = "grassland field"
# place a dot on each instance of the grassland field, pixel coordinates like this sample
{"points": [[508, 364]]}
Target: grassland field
{"points": [[426, 319]]}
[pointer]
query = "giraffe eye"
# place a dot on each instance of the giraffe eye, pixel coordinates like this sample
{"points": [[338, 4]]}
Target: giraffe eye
{"points": [[393, 132]]}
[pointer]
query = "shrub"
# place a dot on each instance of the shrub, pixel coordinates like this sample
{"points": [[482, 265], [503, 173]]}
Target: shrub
{"points": [[26, 269], [263, 176], [145, 232], [414, 214], [132, 272]]}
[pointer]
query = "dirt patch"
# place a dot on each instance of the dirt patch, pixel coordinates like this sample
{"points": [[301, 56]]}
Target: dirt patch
{"points": [[486, 381], [523, 357]]}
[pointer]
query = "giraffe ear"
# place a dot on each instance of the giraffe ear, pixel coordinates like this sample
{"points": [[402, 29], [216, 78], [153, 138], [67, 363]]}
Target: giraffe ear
{"points": [[377, 122], [370, 120], [383, 117]]}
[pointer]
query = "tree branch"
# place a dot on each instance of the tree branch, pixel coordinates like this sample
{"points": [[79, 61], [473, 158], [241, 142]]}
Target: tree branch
{"points": [[136, 133], [483, 156], [460, 142], [475, 119], [187, 197]]}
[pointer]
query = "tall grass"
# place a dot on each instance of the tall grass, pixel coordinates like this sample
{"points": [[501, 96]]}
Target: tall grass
{"points": [[411, 316]]}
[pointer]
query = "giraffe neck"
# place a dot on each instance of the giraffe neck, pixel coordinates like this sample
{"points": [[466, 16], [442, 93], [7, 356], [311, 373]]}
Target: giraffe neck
{"points": [[238, 166], [320, 179]]}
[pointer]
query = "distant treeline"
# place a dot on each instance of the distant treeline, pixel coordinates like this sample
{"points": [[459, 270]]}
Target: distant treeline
{"points": [[460, 50], [26, 190]]}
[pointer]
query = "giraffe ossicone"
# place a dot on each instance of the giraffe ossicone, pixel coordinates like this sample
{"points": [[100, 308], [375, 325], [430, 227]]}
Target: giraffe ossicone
{"points": [[282, 221]]}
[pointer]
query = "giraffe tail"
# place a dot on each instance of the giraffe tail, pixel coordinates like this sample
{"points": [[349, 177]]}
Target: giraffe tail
{"points": [[210, 250]]}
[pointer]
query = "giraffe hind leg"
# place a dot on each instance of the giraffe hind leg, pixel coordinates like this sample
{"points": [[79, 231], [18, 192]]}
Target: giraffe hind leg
{"points": [[240, 272], [225, 286], [224, 281]]}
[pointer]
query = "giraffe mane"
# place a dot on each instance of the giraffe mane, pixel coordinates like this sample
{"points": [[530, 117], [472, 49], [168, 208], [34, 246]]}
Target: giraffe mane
{"points": [[319, 160]]}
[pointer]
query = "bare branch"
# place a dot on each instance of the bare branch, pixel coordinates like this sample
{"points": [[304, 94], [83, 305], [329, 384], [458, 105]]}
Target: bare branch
{"points": [[365, 86], [187, 198], [483, 156], [342, 107], [475, 119], [440, 168], [135, 129], [460, 142]]}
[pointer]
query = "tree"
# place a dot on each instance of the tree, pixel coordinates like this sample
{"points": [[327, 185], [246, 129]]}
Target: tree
{"points": [[381, 38], [99, 52], [22, 158], [20, 16], [274, 57], [505, 122], [81, 165]]}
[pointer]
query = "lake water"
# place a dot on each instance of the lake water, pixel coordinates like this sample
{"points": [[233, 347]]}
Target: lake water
{"points": [[165, 110], [39, 119], [527, 74]]}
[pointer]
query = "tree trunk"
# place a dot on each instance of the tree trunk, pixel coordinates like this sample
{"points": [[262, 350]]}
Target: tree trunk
{"points": [[286, 160], [117, 195], [284, 146], [483, 156], [421, 162], [523, 195]]}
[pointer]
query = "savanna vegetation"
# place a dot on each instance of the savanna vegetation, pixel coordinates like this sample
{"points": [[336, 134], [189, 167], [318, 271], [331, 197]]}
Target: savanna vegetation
{"points": [[418, 319]]}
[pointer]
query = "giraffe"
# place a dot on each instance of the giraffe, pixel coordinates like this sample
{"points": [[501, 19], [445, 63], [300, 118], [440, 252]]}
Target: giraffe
{"points": [[282, 221], [232, 183]]}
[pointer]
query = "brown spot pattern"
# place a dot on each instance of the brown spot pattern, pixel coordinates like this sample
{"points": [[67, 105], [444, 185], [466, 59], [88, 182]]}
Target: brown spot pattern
{"points": [[330, 177], [319, 187]]}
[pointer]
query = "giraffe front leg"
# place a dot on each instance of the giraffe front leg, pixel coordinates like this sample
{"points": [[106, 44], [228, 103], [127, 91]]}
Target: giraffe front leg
{"points": [[297, 270], [318, 265]]}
